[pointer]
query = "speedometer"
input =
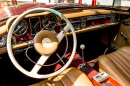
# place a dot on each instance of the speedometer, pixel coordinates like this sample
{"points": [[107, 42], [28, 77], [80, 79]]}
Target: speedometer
{"points": [[20, 28], [49, 21]]}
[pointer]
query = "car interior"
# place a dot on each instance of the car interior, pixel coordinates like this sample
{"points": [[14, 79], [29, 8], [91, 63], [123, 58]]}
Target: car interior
{"points": [[70, 46]]}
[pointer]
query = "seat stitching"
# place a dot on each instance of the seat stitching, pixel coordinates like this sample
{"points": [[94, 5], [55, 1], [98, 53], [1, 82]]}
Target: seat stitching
{"points": [[51, 82], [60, 80], [108, 70], [120, 52], [119, 66], [124, 57], [126, 53], [69, 78], [118, 59], [109, 59]]}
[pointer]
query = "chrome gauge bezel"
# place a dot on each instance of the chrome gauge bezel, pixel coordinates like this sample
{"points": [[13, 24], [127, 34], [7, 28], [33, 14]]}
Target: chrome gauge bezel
{"points": [[16, 26], [55, 21]]}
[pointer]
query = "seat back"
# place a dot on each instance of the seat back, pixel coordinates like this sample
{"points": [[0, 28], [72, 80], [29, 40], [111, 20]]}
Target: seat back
{"points": [[117, 65]]}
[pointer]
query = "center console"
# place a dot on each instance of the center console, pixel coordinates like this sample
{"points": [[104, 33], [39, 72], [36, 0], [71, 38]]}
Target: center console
{"points": [[103, 79]]}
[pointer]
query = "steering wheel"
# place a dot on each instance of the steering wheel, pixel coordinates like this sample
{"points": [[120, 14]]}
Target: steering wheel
{"points": [[45, 42]]}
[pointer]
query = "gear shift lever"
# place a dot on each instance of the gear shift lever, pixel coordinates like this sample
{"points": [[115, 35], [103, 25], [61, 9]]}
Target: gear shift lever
{"points": [[83, 66], [82, 46]]}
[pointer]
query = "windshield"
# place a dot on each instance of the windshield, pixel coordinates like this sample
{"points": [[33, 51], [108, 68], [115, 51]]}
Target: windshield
{"points": [[16, 7]]}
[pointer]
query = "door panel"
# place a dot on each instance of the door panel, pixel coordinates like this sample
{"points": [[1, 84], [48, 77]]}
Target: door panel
{"points": [[123, 36]]}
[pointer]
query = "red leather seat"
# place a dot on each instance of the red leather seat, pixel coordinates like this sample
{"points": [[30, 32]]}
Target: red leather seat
{"points": [[69, 77], [117, 64]]}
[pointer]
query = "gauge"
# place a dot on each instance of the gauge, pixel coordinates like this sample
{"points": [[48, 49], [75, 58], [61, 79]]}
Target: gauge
{"points": [[2, 41], [20, 28], [83, 24], [49, 21], [35, 25]]}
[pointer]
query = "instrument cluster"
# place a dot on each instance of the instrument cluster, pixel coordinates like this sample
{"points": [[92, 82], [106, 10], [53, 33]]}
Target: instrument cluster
{"points": [[26, 29]]}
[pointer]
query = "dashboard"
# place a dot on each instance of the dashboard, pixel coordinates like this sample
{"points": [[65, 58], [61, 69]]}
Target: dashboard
{"points": [[26, 29]]}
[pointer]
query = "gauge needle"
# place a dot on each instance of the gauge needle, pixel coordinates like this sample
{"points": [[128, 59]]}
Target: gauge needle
{"points": [[36, 24], [50, 23], [21, 30], [18, 28], [46, 20]]}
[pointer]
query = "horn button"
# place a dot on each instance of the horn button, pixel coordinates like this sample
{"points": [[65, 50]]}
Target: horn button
{"points": [[45, 42]]}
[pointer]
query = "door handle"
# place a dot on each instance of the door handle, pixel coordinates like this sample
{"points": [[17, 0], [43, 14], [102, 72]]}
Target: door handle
{"points": [[123, 36]]}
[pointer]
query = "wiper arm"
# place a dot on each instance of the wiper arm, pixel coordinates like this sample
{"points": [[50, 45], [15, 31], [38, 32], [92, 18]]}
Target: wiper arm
{"points": [[4, 19], [113, 3]]}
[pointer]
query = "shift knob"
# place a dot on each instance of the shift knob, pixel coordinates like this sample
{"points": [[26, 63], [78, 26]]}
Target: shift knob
{"points": [[82, 46]]}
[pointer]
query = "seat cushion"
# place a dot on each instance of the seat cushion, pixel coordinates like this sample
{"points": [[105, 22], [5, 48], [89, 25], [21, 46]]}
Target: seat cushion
{"points": [[69, 77], [117, 64]]}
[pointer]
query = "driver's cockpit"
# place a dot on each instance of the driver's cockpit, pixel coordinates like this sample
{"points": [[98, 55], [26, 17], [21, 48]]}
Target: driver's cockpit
{"points": [[66, 47]]}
